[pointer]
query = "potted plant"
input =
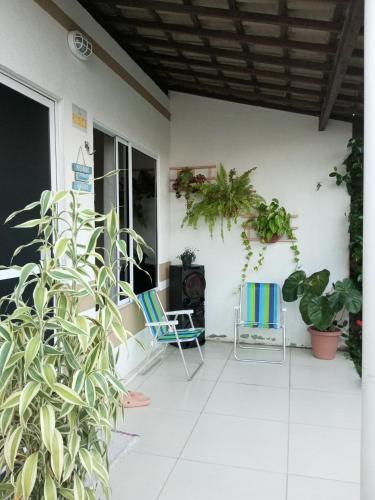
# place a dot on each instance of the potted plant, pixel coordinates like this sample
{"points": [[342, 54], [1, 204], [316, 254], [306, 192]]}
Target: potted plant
{"points": [[187, 184], [59, 389], [323, 311], [224, 200], [272, 222], [187, 257]]}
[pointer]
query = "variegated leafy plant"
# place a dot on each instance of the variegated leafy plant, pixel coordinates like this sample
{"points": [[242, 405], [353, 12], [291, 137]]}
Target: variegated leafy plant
{"points": [[59, 390]]}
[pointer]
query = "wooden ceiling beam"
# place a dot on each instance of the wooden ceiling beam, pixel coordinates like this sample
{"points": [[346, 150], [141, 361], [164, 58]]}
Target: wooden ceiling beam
{"points": [[221, 34], [230, 14], [352, 26], [288, 108], [342, 102], [261, 85], [251, 98]]}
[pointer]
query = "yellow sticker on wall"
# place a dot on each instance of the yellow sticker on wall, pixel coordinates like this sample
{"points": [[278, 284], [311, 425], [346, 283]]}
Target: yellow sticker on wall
{"points": [[79, 117]]}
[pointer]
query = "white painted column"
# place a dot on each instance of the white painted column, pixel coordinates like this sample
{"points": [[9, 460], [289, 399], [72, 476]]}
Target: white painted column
{"points": [[368, 363]]}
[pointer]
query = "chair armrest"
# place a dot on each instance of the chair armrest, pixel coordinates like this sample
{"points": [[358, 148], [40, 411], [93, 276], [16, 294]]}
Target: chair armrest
{"points": [[180, 312], [163, 323], [284, 309], [236, 308]]}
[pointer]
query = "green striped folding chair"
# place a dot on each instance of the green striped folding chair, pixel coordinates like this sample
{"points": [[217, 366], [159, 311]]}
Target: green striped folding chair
{"points": [[164, 330], [260, 306]]}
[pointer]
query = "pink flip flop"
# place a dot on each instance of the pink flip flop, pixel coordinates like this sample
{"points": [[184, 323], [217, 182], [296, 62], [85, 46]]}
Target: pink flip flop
{"points": [[129, 401], [138, 395]]}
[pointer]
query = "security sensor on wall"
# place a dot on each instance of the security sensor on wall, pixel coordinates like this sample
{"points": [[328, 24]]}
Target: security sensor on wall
{"points": [[80, 45]]}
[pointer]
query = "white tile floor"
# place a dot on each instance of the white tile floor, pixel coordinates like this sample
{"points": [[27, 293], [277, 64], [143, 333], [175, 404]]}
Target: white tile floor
{"points": [[243, 431]]}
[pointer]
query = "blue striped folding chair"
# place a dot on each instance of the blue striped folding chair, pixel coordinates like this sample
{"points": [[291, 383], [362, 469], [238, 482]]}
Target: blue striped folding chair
{"points": [[164, 330], [260, 306]]}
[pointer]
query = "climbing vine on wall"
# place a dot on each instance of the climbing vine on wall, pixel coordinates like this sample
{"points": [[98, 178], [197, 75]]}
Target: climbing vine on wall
{"points": [[352, 177]]}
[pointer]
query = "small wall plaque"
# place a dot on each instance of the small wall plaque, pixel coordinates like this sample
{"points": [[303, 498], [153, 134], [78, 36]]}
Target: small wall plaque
{"points": [[83, 169], [79, 117], [78, 176], [82, 186]]}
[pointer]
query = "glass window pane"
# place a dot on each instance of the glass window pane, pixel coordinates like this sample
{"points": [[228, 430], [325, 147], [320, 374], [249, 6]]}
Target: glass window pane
{"points": [[123, 202], [25, 172], [145, 217]]}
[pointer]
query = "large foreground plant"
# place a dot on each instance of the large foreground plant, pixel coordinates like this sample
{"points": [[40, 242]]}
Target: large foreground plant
{"points": [[59, 391]]}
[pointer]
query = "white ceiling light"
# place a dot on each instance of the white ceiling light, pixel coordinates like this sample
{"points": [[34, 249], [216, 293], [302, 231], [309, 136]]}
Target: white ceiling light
{"points": [[80, 45]]}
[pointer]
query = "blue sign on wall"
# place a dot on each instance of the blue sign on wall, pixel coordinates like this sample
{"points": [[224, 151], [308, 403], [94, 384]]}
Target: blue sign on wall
{"points": [[78, 176], [83, 169], [82, 186]]}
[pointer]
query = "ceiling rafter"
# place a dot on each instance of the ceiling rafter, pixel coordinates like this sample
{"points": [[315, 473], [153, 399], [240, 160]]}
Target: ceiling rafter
{"points": [[260, 85], [223, 35], [352, 25], [232, 14]]}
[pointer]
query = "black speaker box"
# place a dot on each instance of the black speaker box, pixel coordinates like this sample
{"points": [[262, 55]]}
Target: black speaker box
{"points": [[187, 291]]}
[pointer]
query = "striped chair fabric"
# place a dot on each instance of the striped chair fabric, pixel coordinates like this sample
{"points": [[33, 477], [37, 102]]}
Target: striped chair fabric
{"points": [[154, 313], [262, 304]]}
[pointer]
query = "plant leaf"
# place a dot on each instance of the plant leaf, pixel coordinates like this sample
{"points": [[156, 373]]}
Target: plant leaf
{"points": [[68, 395], [78, 489], [86, 459], [47, 425], [28, 475], [32, 350], [12, 401], [6, 351], [28, 393], [11, 446], [60, 247], [57, 454], [292, 285], [50, 491], [320, 313]]}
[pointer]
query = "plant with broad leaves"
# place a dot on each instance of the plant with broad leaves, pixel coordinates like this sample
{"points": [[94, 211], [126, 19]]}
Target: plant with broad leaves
{"points": [[324, 311], [59, 391]]}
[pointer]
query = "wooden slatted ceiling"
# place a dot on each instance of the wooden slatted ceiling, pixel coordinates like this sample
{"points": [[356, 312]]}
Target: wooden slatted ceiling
{"points": [[304, 56]]}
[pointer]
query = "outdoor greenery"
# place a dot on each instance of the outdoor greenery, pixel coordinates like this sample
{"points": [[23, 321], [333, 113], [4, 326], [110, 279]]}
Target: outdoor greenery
{"points": [[59, 390], [224, 200], [273, 222], [325, 311], [187, 184], [352, 178], [227, 199]]}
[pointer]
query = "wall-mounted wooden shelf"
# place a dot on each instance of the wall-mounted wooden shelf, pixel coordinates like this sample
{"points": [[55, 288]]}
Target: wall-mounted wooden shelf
{"points": [[209, 171]]}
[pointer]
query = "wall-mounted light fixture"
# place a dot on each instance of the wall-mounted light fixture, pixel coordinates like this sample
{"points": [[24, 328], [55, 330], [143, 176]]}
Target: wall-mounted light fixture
{"points": [[80, 45]]}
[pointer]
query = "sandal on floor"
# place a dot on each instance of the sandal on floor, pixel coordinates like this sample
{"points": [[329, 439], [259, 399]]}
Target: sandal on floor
{"points": [[129, 401], [138, 395]]}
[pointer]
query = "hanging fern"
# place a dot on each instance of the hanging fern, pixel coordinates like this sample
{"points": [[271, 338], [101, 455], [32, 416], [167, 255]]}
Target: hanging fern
{"points": [[223, 200]]}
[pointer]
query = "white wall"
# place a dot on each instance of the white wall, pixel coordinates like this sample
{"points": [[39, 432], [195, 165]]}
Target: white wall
{"points": [[292, 156], [33, 48]]}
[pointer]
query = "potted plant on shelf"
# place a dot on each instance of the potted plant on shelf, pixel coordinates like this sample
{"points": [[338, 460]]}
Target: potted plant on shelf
{"points": [[187, 257], [59, 389], [272, 222], [187, 184], [323, 312], [224, 200]]}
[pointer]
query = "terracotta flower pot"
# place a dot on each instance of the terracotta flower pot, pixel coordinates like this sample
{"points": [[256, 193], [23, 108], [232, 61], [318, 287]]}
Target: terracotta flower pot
{"points": [[275, 238], [324, 344]]}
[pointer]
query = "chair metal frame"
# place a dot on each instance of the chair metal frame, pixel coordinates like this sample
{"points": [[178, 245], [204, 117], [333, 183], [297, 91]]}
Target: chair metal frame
{"points": [[172, 328], [239, 322]]}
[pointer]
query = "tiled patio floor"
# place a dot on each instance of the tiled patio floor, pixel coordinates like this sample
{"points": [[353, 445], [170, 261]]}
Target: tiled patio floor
{"points": [[244, 431]]}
